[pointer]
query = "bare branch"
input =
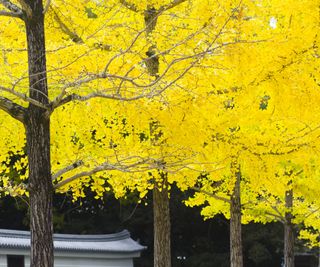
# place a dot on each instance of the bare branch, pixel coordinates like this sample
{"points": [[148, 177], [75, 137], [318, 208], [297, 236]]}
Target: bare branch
{"points": [[46, 7], [173, 4], [15, 11], [128, 5], [277, 152], [10, 6], [103, 167], [271, 214], [116, 96], [14, 110], [24, 97], [67, 169], [279, 214], [279, 217], [83, 174], [154, 88], [77, 97], [199, 190], [150, 94], [269, 75], [11, 14], [312, 212], [74, 36]]}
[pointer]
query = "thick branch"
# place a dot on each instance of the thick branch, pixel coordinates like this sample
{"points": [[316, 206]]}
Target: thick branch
{"points": [[14, 11], [67, 169], [199, 190], [23, 97], [11, 14], [10, 6], [84, 174], [103, 167], [14, 110]]}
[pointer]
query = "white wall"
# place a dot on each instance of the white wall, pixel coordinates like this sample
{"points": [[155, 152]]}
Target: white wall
{"points": [[3, 260], [73, 260], [91, 262], [26, 261]]}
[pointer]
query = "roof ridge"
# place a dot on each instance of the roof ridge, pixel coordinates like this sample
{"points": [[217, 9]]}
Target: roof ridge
{"points": [[124, 234], [120, 242], [69, 237]]}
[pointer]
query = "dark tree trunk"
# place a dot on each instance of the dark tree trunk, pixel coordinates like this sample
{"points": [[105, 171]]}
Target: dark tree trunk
{"points": [[38, 141], [161, 203], [236, 257], [162, 228], [152, 60], [289, 232]]}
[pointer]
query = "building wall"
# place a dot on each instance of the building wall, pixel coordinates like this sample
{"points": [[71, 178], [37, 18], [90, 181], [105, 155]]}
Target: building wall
{"points": [[73, 260], [3, 260], [93, 262], [26, 261]]}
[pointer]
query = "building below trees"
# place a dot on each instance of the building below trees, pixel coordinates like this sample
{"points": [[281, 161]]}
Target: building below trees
{"points": [[72, 250]]}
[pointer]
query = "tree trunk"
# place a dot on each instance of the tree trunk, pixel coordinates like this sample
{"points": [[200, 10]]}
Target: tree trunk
{"points": [[38, 141], [161, 204], [236, 258], [289, 232], [162, 228]]}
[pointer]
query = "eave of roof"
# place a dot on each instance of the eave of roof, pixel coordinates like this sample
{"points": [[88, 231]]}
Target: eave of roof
{"points": [[114, 243]]}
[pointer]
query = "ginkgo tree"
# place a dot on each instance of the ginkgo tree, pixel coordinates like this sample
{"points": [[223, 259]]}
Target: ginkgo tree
{"points": [[60, 60]]}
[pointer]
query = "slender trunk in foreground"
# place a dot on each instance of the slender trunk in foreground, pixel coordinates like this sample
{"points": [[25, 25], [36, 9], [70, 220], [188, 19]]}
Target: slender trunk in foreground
{"points": [[38, 141], [162, 228], [289, 232], [236, 257]]}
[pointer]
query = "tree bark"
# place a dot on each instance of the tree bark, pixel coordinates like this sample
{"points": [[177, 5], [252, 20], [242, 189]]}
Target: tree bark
{"points": [[38, 141], [162, 228], [152, 60], [236, 257], [161, 203], [289, 232]]}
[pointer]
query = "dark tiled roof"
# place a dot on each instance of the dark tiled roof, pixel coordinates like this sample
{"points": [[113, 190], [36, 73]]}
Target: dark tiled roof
{"points": [[115, 243]]}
